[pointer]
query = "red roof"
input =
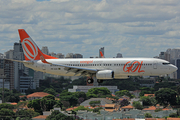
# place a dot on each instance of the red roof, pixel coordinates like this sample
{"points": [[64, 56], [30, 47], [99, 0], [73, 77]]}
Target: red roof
{"points": [[173, 118], [13, 103], [150, 95], [38, 94], [150, 108], [128, 107], [40, 116], [165, 109]]}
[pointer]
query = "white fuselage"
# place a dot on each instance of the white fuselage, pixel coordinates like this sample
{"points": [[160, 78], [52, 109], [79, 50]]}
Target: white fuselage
{"points": [[122, 67]]}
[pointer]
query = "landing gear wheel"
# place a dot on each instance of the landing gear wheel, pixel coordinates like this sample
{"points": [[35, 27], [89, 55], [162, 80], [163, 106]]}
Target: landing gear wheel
{"points": [[90, 81], [99, 81]]}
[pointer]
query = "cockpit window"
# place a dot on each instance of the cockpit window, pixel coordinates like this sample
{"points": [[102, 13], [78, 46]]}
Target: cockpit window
{"points": [[165, 63]]}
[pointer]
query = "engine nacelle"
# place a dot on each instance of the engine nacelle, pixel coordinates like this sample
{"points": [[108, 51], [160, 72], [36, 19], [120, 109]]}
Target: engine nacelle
{"points": [[105, 74]]}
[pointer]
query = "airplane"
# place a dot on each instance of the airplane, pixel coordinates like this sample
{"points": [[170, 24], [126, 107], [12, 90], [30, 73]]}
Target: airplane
{"points": [[97, 69]]}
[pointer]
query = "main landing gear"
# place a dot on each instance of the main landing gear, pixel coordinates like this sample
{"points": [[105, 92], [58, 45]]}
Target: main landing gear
{"points": [[91, 80]]}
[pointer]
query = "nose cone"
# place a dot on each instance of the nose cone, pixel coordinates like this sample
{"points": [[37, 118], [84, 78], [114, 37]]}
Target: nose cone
{"points": [[174, 68]]}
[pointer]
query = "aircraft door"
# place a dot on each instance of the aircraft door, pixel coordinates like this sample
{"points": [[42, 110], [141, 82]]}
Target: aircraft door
{"points": [[155, 65]]}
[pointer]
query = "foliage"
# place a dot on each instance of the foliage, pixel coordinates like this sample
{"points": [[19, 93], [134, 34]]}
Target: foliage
{"points": [[73, 98], [82, 108], [94, 103], [7, 106], [137, 105], [124, 102], [6, 114], [148, 115], [47, 102], [44, 104], [66, 104], [157, 110], [28, 113], [173, 115], [166, 96], [146, 90], [56, 115], [10, 96], [59, 104], [148, 101], [24, 103], [164, 85], [97, 92], [122, 84], [97, 109], [36, 105], [50, 91], [124, 92], [80, 100]]}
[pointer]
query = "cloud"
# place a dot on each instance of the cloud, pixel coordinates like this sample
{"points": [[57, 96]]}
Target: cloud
{"points": [[133, 27]]}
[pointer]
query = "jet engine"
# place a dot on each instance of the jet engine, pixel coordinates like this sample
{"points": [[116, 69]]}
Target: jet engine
{"points": [[105, 74]]}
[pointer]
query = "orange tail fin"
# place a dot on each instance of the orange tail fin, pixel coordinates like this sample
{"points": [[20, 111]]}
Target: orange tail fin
{"points": [[102, 56], [30, 49]]}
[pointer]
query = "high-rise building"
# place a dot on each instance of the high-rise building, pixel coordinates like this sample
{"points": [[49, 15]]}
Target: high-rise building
{"points": [[9, 54], [25, 82], [45, 50], [164, 56], [119, 55], [7, 71], [1, 55], [18, 67], [102, 50]]}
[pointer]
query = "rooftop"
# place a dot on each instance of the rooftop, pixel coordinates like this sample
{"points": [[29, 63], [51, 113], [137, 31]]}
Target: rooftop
{"points": [[128, 107], [38, 94], [150, 108], [150, 95], [40, 117]]}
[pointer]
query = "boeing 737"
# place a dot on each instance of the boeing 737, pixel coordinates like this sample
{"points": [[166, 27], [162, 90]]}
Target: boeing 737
{"points": [[97, 69]]}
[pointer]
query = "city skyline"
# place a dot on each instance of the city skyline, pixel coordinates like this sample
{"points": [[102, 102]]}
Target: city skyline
{"points": [[134, 28]]}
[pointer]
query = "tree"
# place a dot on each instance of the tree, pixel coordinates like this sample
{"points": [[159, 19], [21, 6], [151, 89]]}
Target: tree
{"points": [[56, 115], [80, 95], [7, 106], [148, 101], [148, 115], [124, 102], [47, 102], [124, 92], [66, 104], [6, 114], [166, 96], [59, 104], [146, 90], [98, 92], [173, 115], [27, 113], [137, 105], [12, 98], [50, 91], [36, 105]]}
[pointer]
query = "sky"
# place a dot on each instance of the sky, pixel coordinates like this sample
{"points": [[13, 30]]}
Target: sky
{"points": [[135, 28]]}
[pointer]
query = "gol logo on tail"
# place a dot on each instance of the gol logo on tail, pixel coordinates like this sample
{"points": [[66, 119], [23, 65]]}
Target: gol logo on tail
{"points": [[133, 66]]}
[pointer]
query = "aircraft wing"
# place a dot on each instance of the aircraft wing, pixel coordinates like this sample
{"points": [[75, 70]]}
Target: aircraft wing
{"points": [[75, 69], [26, 62]]}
